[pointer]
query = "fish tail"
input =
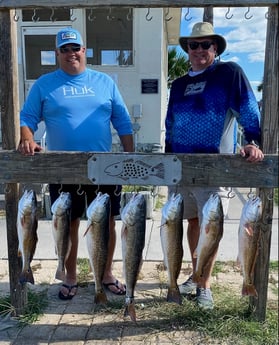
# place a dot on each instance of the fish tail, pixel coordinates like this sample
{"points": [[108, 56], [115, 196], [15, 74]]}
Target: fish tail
{"points": [[60, 272], [196, 277], [161, 170], [130, 311], [249, 290], [100, 297], [174, 295], [26, 276]]}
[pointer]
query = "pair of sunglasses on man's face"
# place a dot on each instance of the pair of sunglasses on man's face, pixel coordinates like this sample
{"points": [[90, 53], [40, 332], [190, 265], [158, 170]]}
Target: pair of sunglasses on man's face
{"points": [[72, 49], [205, 45]]}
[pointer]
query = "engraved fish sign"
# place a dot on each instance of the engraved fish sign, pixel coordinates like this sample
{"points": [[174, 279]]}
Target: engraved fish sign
{"points": [[138, 169]]}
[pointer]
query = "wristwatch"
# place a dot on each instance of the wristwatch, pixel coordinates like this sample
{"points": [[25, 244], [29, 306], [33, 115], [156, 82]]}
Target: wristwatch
{"points": [[253, 142]]}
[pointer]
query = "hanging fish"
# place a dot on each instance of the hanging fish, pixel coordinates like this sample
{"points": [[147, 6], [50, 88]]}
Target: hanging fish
{"points": [[133, 217], [27, 224], [135, 169], [97, 237], [61, 223], [211, 232], [171, 240], [248, 243]]}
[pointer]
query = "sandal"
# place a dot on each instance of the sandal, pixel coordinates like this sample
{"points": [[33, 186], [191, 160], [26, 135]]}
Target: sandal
{"points": [[115, 284], [71, 293]]}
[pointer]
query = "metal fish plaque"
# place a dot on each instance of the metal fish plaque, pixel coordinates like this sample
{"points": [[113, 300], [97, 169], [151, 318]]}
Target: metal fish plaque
{"points": [[134, 169]]}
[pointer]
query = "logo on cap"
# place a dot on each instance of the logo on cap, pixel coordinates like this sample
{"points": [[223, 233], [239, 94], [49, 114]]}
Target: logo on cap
{"points": [[68, 35]]}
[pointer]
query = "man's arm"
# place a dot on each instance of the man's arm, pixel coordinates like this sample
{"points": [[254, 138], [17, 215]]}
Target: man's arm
{"points": [[27, 145]]}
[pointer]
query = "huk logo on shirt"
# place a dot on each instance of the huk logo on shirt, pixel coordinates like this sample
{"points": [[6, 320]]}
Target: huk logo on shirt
{"points": [[78, 91], [193, 89]]}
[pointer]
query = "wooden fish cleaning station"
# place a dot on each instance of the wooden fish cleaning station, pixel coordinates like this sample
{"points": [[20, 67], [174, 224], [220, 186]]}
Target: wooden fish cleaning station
{"points": [[186, 169]]}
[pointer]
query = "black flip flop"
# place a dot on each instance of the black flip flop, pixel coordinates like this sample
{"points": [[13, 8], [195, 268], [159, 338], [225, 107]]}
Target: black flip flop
{"points": [[119, 292], [68, 296]]}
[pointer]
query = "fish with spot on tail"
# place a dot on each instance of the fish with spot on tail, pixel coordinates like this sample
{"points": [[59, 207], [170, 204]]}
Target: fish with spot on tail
{"points": [[27, 224], [248, 243], [135, 169], [171, 233], [211, 232], [97, 237], [61, 223], [133, 217]]}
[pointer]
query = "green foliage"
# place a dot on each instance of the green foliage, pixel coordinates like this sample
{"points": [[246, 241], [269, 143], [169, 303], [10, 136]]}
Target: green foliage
{"points": [[178, 65]]}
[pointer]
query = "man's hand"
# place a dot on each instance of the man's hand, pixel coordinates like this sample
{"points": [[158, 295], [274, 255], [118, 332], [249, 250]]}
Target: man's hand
{"points": [[28, 147], [253, 153]]}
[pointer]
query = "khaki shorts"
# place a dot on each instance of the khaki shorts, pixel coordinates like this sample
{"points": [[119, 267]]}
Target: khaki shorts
{"points": [[196, 197]]}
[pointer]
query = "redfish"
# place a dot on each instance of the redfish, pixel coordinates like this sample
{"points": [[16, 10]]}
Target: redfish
{"points": [[133, 217], [61, 223], [27, 224], [171, 233], [248, 243], [211, 232], [97, 237]]}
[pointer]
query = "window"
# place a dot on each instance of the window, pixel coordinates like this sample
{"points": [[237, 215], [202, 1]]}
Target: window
{"points": [[109, 36]]}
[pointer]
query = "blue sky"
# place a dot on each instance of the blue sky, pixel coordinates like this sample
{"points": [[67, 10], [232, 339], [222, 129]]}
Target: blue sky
{"points": [[245, 37]]}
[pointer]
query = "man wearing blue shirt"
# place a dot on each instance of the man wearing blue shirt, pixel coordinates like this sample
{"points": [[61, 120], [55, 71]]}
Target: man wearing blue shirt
{"points": [[78, 105], [204, 108]]}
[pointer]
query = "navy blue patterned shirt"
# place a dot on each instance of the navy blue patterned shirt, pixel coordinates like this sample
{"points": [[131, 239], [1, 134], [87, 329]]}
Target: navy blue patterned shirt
{"points": [[203, 111]]}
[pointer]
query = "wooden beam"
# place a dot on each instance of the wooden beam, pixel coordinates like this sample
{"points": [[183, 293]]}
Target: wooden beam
{"points": [[197, 169], [10, 136], [22, 4], [270, 145]]}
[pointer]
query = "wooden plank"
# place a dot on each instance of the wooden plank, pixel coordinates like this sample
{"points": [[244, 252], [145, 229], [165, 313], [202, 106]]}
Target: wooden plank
{"points": [[10, 136], [270, 144], [197, 169], [132, 3]]}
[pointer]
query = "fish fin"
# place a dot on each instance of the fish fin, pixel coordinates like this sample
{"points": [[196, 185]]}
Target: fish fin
{"points": [[100, 297], [207, 228], [86, 231], [196, 277], [249, 230], [130, 311], [174, 295], [60, 273], [26, 277], [249, 290]]}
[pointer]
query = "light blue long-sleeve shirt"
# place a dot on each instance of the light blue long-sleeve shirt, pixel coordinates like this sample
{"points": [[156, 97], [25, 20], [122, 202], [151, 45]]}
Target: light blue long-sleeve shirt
{"points": [[77, 110]]}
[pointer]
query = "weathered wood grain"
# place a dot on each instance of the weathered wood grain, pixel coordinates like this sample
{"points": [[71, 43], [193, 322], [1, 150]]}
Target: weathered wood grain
{"points": [[132, 3], [197, 169]]}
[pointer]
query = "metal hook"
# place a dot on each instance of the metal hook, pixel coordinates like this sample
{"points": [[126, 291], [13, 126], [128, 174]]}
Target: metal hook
{"points": [[246, 14], [52, 15], [251, 194], [186, 15], [97, 190], [231, 194], [34, 19], [16, 16], [91, 18], [117, 191], [129, 15], [72, 18], [148, 17], [80, 191], [166, 16], [60, 189], [109, 16], [227, 14]]}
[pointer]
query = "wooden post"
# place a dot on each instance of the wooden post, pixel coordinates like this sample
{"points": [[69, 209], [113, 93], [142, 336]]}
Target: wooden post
{"points": [[10, 137], [269, 141]]}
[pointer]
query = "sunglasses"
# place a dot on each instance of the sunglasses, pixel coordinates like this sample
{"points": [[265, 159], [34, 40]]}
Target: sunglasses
{"points": [[71, 49], [205, 45]]}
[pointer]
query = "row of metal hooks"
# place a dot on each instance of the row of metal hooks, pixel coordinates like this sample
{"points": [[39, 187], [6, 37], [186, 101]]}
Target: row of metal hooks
{"points": [[148, 17], [250, 195]]}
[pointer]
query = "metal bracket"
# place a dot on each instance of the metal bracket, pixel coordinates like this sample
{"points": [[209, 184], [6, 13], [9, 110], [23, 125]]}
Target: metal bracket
{"points": [[134, 169]]}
